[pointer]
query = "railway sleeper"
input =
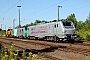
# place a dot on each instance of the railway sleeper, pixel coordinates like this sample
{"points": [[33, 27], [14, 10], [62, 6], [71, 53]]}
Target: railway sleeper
{"points": [[86, 54]]}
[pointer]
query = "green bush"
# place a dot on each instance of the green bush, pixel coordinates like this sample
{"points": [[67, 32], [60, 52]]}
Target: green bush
{"points": [[0, 45], [11, 54], [2, 33], [88, 37]]}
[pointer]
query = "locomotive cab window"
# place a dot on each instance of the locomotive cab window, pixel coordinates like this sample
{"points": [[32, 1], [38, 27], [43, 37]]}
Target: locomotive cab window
{"points": [[8, 29], [55, 25], [67, 24]]}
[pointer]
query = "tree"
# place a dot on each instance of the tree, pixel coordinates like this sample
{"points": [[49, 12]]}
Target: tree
{"points": [[87, 22], [37, 21], [80, 25], [88, 36], [72, 18], [83, 29], [31, 24], [44, 21]]}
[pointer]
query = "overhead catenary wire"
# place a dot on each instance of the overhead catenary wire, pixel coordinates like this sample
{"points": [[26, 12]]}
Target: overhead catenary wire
{"points": [[10, 8], [57, 4], [74, 8], [52, 6], [45, 8], [77, 8], [4, 5]]}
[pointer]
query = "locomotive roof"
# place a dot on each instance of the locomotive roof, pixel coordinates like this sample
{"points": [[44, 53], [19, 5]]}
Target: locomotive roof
{"points": [[64, 20]]}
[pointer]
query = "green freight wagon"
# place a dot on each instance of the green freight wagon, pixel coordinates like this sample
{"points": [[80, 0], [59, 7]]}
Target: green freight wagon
{"points": [[25, 32], [14, 33]]}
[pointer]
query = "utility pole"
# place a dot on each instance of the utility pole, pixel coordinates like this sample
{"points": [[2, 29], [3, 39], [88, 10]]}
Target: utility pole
{"points": [[19, 16], [5, 27], [58, 12], [1, 26], [13, 23]]}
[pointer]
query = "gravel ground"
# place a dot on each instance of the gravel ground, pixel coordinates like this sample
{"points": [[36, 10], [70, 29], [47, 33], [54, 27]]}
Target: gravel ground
{"points": [[59, 54], [69, 55]]}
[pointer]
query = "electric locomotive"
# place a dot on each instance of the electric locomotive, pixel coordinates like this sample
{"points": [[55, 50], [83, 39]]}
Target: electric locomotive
{"points": [[54, 30]]}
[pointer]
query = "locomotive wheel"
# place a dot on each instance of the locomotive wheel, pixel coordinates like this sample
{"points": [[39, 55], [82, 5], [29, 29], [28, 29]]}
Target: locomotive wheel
{"points": [[6, 35], [55, 38], [36, 38], [45, 38], [31, 37], [19, 37]]}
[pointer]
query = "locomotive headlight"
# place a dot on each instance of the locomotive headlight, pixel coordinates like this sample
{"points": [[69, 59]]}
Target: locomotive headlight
{"points": [[74, 31]]}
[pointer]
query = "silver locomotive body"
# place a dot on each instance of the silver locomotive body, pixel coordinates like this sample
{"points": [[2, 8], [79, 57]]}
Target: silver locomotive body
{"points": [[58, 30], [69, 31]]}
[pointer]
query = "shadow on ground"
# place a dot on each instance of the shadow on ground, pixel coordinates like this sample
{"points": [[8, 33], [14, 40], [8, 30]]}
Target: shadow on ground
{"points": [[50, 49], [34, 51]]}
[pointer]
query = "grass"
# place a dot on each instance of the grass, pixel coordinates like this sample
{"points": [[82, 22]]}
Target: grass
{"points": [[2, 33]]}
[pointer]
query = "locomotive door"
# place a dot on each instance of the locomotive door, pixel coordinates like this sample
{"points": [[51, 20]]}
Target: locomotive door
{"points": [[55, 29], [51, 29]]}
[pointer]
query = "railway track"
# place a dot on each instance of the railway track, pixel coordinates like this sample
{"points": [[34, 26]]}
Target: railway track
{"points": [[82, 43], [31, 50], [34, 51], [52, 46], [76, 50]]}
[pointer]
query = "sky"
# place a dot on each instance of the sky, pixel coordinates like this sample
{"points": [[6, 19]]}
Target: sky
{"points": [[32, 10]]}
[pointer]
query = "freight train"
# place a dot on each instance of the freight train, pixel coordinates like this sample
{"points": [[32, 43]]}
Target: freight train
{"points": [[54, 30]]}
